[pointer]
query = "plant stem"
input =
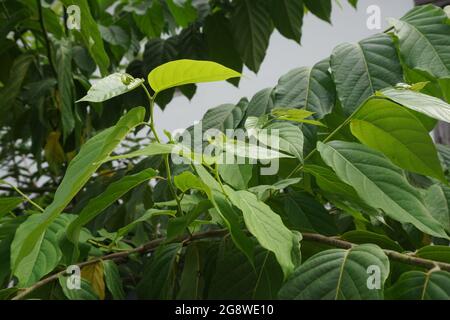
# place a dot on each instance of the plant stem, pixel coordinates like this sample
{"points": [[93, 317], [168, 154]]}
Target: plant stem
{"points": [[185, 240], [23, 195], [151, 123]]}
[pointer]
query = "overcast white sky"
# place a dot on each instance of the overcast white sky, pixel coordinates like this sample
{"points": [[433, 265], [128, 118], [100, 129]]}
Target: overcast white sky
{"points": [[318, 40]]}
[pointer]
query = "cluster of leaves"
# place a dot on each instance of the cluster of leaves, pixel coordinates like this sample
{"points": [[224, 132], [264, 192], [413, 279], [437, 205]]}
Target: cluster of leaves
{"points": [[47, 63], [361, 185]]}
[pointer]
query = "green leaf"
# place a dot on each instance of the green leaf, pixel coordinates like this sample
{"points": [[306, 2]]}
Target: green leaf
{"points": [[236, 175], [113, 280], [90, 34], [13, 85], [97, 205], [9, 204], [111, 86], [26, 245], [295, 115], [151, 23], [181, 72], [418, 285], [145, 217], [287, 15], [259, 281], [226, 212], [252, 27], [187, 180], [435, 252], [437, 199], [182, 11], [156, 283], [221, 47], [261, 103], [84, 293], [264, 191], [305, 214], [396, 132], [65, 86], [226, 116], [338, 274], [380, 184], [309, 88], [40, 263], [266, 226], [428, 105], [115, 35], [320, 8], [423, 39], [359, 70], [363, 237]]}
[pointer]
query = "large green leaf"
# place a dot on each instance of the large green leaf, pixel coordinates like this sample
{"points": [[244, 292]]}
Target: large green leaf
{"points": [[320, 8], [359, 70], [113, 280], [261, 103], [437, 199], [221, 47], [380, 184], [111, 86], [396, 132], [338, 274], [34, 267], [309, 88], [28, 240], [435, 252], [181, 72], [236, 175], [418, 285], [98, 204], [252, 27], [423, 39], [90, 34], [287, 15], [428, 105], [182, 11], [267, 227]]}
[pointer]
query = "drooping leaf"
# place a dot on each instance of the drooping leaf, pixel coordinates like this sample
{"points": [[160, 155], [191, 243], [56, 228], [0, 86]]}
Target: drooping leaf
{"points": [[363, 237], [94, 274], [113, 280], [145, 217], [437, 200], [84, 293], [418, 285], [287, 15], [181, 72], [252, 27], [308, 88], [115, 35], [398, 134], [339, 274], [90, 34], [111, 86], [423, 39], [29, 236], [152, 149], [9, 204], [379, 183], [428, 105], [266, 226], [435, 252], [359, 70]]}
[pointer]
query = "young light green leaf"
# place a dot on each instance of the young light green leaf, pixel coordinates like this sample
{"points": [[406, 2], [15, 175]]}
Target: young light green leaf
{"points": [[180, 72], [380, 184], [295, 115], [187, 180], [263, 191], [266, 226], [153, 149], [396, 132], [26, 245], [339, 274], [111, 86], [428, 105]]}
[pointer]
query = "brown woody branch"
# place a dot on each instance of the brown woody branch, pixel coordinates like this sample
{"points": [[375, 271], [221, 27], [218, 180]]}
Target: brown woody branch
{"points": [[185, 240]]}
